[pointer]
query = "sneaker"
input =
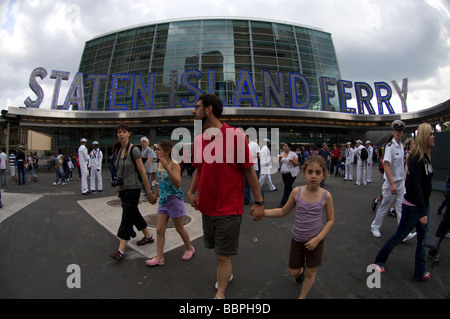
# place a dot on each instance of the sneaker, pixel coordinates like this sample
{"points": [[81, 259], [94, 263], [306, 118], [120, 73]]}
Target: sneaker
{"points": [[375, 232], [410, 235], [217, 284], [392, 213], [188, 254], [117, 255], [145, 240], [374, 204]]}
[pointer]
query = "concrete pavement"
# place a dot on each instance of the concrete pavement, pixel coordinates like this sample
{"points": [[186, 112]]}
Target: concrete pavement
{"points": [[46, 228]]}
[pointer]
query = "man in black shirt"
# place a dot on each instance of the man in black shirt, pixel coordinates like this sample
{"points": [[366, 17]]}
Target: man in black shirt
{"points": [[21, 165]]}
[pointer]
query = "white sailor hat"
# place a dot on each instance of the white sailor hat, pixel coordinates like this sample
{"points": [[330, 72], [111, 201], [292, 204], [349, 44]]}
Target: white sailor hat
{"points": [[83, 140], [368, 142], [349, 143], [398, 125], [359, 141], [95, 142]]}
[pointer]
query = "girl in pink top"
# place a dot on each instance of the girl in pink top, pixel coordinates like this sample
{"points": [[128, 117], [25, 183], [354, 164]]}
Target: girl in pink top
{"points": [[308, 232]]}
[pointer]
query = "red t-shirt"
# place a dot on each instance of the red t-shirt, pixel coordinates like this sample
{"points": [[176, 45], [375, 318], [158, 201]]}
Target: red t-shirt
{"points": [[220, 157]]}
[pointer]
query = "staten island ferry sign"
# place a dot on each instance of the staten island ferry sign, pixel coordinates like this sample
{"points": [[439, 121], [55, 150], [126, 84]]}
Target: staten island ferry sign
{"points": [[299, 91]]}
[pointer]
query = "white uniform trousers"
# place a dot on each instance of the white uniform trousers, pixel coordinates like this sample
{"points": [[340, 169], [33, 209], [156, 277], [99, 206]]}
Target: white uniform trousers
{"points": [[84, 178], [96, 175], [361, 169], [348, 171], [369, 172], [388, 200], [269, 179]]}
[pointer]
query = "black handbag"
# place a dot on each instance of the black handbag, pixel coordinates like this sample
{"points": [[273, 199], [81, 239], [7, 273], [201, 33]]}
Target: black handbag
{"points": [[431, 241]]}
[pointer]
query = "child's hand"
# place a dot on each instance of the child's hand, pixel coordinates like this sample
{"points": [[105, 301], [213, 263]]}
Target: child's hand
{"points": [[312, 243], [256, 212]]}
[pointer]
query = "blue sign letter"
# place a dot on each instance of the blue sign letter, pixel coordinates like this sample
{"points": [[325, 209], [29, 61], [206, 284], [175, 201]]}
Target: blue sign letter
{"points": [[190, 87], [115, 89], [326, 94], [145, 92], [344, 96], [271, 89], [245, 81], [364, 100], [383, 99]]}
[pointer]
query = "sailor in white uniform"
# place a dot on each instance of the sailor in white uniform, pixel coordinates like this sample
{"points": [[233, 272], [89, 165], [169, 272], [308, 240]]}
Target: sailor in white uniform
{"points": [[393, 188], [83, 159], [370, 150], [95, 163], [349, 155], [360, 164]]}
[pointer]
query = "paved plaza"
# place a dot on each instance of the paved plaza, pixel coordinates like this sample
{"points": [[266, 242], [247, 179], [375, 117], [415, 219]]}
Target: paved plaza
{"points": [[45, 229]]}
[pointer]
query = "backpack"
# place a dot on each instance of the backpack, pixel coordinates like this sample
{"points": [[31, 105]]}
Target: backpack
{"points": [[364, 154], [374, 155], [134, 162]]}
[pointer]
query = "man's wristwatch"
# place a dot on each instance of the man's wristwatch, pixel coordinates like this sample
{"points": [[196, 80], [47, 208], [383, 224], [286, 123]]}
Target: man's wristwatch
{"points": [[260, 203]]}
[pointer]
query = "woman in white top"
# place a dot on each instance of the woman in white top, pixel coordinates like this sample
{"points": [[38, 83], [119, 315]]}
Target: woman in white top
{"points": [[289, 170]]}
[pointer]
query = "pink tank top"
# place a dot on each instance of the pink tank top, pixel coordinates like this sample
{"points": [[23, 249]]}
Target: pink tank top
{"points": [[308, 220]]}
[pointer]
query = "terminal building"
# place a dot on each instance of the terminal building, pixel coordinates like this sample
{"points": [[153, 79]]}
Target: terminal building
{"points": [[269, 74]]}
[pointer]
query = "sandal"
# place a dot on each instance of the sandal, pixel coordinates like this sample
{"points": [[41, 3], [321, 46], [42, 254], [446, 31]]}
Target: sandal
{"points": [[117, 255], [188, 254], [155, 262], [145, 240]]}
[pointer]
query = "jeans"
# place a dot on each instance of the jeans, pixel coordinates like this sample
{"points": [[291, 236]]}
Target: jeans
{"points": [[21, 174], [3, 176], [409, 220], [247, 189], [288, 181], [60, 175]]}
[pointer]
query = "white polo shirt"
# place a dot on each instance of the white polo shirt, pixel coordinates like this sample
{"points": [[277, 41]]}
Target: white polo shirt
{"points": [[394, 154]]}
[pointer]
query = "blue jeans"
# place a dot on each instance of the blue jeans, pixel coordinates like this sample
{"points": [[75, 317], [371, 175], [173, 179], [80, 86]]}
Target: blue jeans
{"points": [[409, 220]]}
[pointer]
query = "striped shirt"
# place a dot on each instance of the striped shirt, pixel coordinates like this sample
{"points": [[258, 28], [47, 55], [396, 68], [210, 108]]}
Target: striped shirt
{"points": [[308, 221]]}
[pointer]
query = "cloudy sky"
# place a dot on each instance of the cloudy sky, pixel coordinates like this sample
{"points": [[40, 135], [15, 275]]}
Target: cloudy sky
{"points": [[375, 40]]}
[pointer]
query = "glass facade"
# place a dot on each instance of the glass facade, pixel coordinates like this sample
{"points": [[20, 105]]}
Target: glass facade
{"points": [[216, 51]]}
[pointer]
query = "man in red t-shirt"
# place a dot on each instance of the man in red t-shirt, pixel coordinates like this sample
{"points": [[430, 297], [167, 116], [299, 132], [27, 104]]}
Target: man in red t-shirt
{"points": [[335, 155], [222, 159]]}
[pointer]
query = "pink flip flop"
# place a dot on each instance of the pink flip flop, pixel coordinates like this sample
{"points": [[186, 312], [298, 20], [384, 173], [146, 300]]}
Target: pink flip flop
{"points": [[155, 262], [188, 254]]}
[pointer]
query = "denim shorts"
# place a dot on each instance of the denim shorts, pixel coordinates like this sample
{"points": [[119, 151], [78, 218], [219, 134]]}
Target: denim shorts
{"points": [[222, 233]]}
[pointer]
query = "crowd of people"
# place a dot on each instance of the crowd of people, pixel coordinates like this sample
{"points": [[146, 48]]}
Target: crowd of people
{"points": [[219, 190], [22, 166]]}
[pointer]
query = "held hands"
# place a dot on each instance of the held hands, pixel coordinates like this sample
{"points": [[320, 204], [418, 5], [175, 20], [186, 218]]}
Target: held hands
{"points": [[257, 212]]}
